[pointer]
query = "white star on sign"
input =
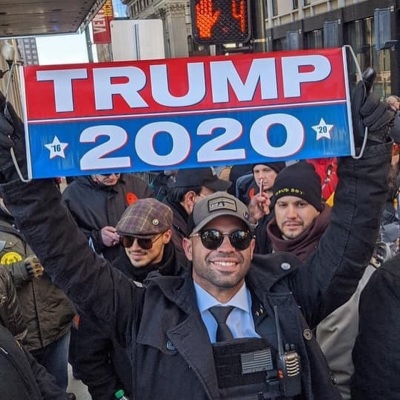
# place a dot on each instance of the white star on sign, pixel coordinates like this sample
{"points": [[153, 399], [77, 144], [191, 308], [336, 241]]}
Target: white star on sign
{"points": [[56, 148], [323, 129]]}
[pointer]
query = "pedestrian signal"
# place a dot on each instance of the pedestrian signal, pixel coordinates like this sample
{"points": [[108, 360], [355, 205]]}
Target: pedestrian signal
{"points": [[220, 21]]}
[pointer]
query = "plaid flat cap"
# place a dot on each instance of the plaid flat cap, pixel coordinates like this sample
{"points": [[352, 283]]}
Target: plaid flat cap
{"points": [[146, 217]]}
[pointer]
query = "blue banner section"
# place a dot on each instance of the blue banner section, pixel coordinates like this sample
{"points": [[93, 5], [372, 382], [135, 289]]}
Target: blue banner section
{"points": [[157, 142]]}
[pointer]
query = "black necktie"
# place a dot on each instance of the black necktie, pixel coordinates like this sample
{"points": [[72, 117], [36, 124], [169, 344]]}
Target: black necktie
{"points": [[220, 313]]}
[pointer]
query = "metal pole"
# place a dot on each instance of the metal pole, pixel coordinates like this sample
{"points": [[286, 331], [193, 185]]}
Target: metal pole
{"points": [[258, 17], [89, 44]]}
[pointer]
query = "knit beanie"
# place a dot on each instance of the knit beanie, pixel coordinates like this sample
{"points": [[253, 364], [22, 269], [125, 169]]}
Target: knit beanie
{"points": [[299, 180], [276, 166]]}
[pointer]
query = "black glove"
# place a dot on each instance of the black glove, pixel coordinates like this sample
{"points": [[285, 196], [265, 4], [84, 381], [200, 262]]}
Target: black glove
{"points": [[11, 136], [369, 111], [378, 117]]}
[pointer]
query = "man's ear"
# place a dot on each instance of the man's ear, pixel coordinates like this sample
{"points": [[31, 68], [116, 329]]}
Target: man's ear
{"points": [[188, 248], [167, 236], [189, 200], [252, 247], [190, 196]]}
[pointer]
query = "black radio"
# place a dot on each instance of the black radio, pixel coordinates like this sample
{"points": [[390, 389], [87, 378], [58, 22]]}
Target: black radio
{"points": [[288, 364]]}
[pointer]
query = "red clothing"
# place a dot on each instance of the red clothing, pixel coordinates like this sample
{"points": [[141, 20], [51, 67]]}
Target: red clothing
{"points": [[326, 169]]}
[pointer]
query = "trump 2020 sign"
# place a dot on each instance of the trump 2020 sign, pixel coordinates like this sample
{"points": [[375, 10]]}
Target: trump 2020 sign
{"points": [[136, 116]]}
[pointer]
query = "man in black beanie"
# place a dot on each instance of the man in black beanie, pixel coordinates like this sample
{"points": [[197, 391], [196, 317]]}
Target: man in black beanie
{"points": [[300, 215], [299, 180]]}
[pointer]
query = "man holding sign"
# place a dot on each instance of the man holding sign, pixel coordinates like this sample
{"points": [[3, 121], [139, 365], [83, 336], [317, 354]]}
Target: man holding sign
{"points": [[237, 325]]}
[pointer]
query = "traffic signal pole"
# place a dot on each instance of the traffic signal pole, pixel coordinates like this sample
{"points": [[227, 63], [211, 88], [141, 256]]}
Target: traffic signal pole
{"points": [[258, 17], [217, 22]]}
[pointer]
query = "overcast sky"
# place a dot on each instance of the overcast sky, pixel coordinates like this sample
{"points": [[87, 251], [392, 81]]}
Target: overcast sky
{"points": [[62, 49]]}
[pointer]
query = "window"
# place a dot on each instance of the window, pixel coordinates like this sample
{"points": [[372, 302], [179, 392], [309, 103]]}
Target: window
{"points": [[314, 39], [274, 8]]}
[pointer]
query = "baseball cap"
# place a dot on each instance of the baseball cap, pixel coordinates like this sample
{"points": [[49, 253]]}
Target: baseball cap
{"points": [[146, 217], [190, 177], [216, 205]]}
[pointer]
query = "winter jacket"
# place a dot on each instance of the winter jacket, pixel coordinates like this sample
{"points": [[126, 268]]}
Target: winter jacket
{"points": [[236, 172], [246, 188], [336, 335], [45, 307], [10, 312], [102, 364], [160, 325], [376, 352], [22, 377], [326, 168], [263, 242], [94, 206]]}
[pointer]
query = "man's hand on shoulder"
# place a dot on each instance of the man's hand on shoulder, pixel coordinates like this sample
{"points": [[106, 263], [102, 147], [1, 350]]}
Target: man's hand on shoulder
{"points": [[109, 236]]}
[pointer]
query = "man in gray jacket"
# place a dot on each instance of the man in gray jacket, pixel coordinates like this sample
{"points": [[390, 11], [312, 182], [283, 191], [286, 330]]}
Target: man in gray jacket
{"points": [[172, 327], [22, 377], [47, 311]]}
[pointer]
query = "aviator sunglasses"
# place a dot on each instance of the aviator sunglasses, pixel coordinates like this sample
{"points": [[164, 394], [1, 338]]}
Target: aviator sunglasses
{"points": [[213, 238], [144, 243]]}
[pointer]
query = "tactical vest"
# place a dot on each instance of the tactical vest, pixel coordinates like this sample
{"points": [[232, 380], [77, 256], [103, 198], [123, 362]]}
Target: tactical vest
{"points": [[252, 369]]}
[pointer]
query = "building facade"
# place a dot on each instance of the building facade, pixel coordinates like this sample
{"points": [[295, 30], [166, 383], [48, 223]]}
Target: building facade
{"points": [[120, 9], [370, 27], [175, 15], [297, 24], [288, 24]]}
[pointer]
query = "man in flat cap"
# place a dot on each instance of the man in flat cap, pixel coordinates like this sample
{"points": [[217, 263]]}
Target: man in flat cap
{"points": [[145, 231], [96, 202]]}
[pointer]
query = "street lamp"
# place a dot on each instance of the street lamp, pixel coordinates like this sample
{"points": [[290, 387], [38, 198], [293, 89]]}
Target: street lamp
{"points": [[8, 53]]}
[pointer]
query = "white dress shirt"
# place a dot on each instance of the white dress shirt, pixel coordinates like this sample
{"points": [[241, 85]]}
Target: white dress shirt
{"points": [[240, 320]]}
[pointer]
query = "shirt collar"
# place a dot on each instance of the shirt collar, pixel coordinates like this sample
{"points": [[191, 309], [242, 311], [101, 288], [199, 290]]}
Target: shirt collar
{"points": [[240, 300]]}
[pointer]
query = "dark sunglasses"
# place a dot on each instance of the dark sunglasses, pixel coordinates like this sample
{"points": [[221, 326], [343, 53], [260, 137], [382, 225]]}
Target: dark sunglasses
{"points": [[213, 238], [144, 243]]}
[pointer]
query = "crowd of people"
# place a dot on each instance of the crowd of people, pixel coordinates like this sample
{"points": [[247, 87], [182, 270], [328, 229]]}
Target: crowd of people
{"points": [[274, 282]]}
